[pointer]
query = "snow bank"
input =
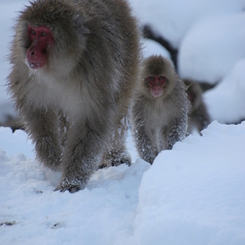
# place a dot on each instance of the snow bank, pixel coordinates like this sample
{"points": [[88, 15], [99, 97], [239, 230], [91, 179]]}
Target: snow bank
{"points": [[195, 194]]}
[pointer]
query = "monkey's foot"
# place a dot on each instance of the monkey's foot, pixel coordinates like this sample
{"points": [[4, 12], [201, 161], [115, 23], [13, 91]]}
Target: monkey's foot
{"points": [[71, 186], [115, 159], [119, 161], [120, 158]]}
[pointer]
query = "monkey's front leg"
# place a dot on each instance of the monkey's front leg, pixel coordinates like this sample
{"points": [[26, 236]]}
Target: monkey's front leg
{"points": [[83, 153], [144, 145], [42, 126], [202, 118], [177, 132]]}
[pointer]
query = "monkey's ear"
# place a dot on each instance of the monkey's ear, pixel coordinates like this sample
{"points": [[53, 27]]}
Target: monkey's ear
{"points": [[78, 22]]}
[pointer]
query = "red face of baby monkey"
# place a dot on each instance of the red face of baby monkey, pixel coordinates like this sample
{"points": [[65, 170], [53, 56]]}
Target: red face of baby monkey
{"points": [[157, 84], [40, 39]]}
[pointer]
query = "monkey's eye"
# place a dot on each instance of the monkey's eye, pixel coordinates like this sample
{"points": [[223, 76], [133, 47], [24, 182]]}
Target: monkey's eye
{"points": [[161, 78], [43, 33], [33, 32], [151, 78]]}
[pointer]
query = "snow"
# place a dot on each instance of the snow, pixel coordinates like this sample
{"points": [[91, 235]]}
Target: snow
{"points": [[210, 37], [199, 196], [230, 94], [174, 18], [193, 194], [8, 13], [14, 143], [150, 47], [201, 53]]}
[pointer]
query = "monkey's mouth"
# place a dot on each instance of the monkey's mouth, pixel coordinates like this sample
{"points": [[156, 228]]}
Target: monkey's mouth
{"points": [[156, 93], [36, 65], [35, 61]]}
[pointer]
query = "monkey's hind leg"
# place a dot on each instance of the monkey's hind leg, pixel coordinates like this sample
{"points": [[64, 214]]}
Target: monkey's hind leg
{"points": [[117, 153]]}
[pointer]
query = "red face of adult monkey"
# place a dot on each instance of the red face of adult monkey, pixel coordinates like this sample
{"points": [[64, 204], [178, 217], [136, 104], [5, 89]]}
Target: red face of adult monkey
{"points": [[74, 70], [41, 41]]}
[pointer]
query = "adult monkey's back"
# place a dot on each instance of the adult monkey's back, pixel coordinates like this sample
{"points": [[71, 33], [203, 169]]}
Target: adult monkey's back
{"points": [[74, 70]]}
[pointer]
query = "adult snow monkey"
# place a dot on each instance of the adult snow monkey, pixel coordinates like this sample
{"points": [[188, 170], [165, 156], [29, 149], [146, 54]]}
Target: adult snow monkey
{"points": [[75, 65]]}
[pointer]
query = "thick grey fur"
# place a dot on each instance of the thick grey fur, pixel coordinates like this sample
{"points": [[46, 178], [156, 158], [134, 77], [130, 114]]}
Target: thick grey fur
{"points": [[199, 117]]}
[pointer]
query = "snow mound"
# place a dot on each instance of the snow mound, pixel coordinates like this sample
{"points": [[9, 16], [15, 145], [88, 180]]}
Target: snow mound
{"points": [[226, 102], [195, 194], [209, 51]]}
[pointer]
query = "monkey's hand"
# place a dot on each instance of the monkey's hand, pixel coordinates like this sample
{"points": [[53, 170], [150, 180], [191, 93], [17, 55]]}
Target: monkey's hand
{"points": [[144, 146], [70, 185]]}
